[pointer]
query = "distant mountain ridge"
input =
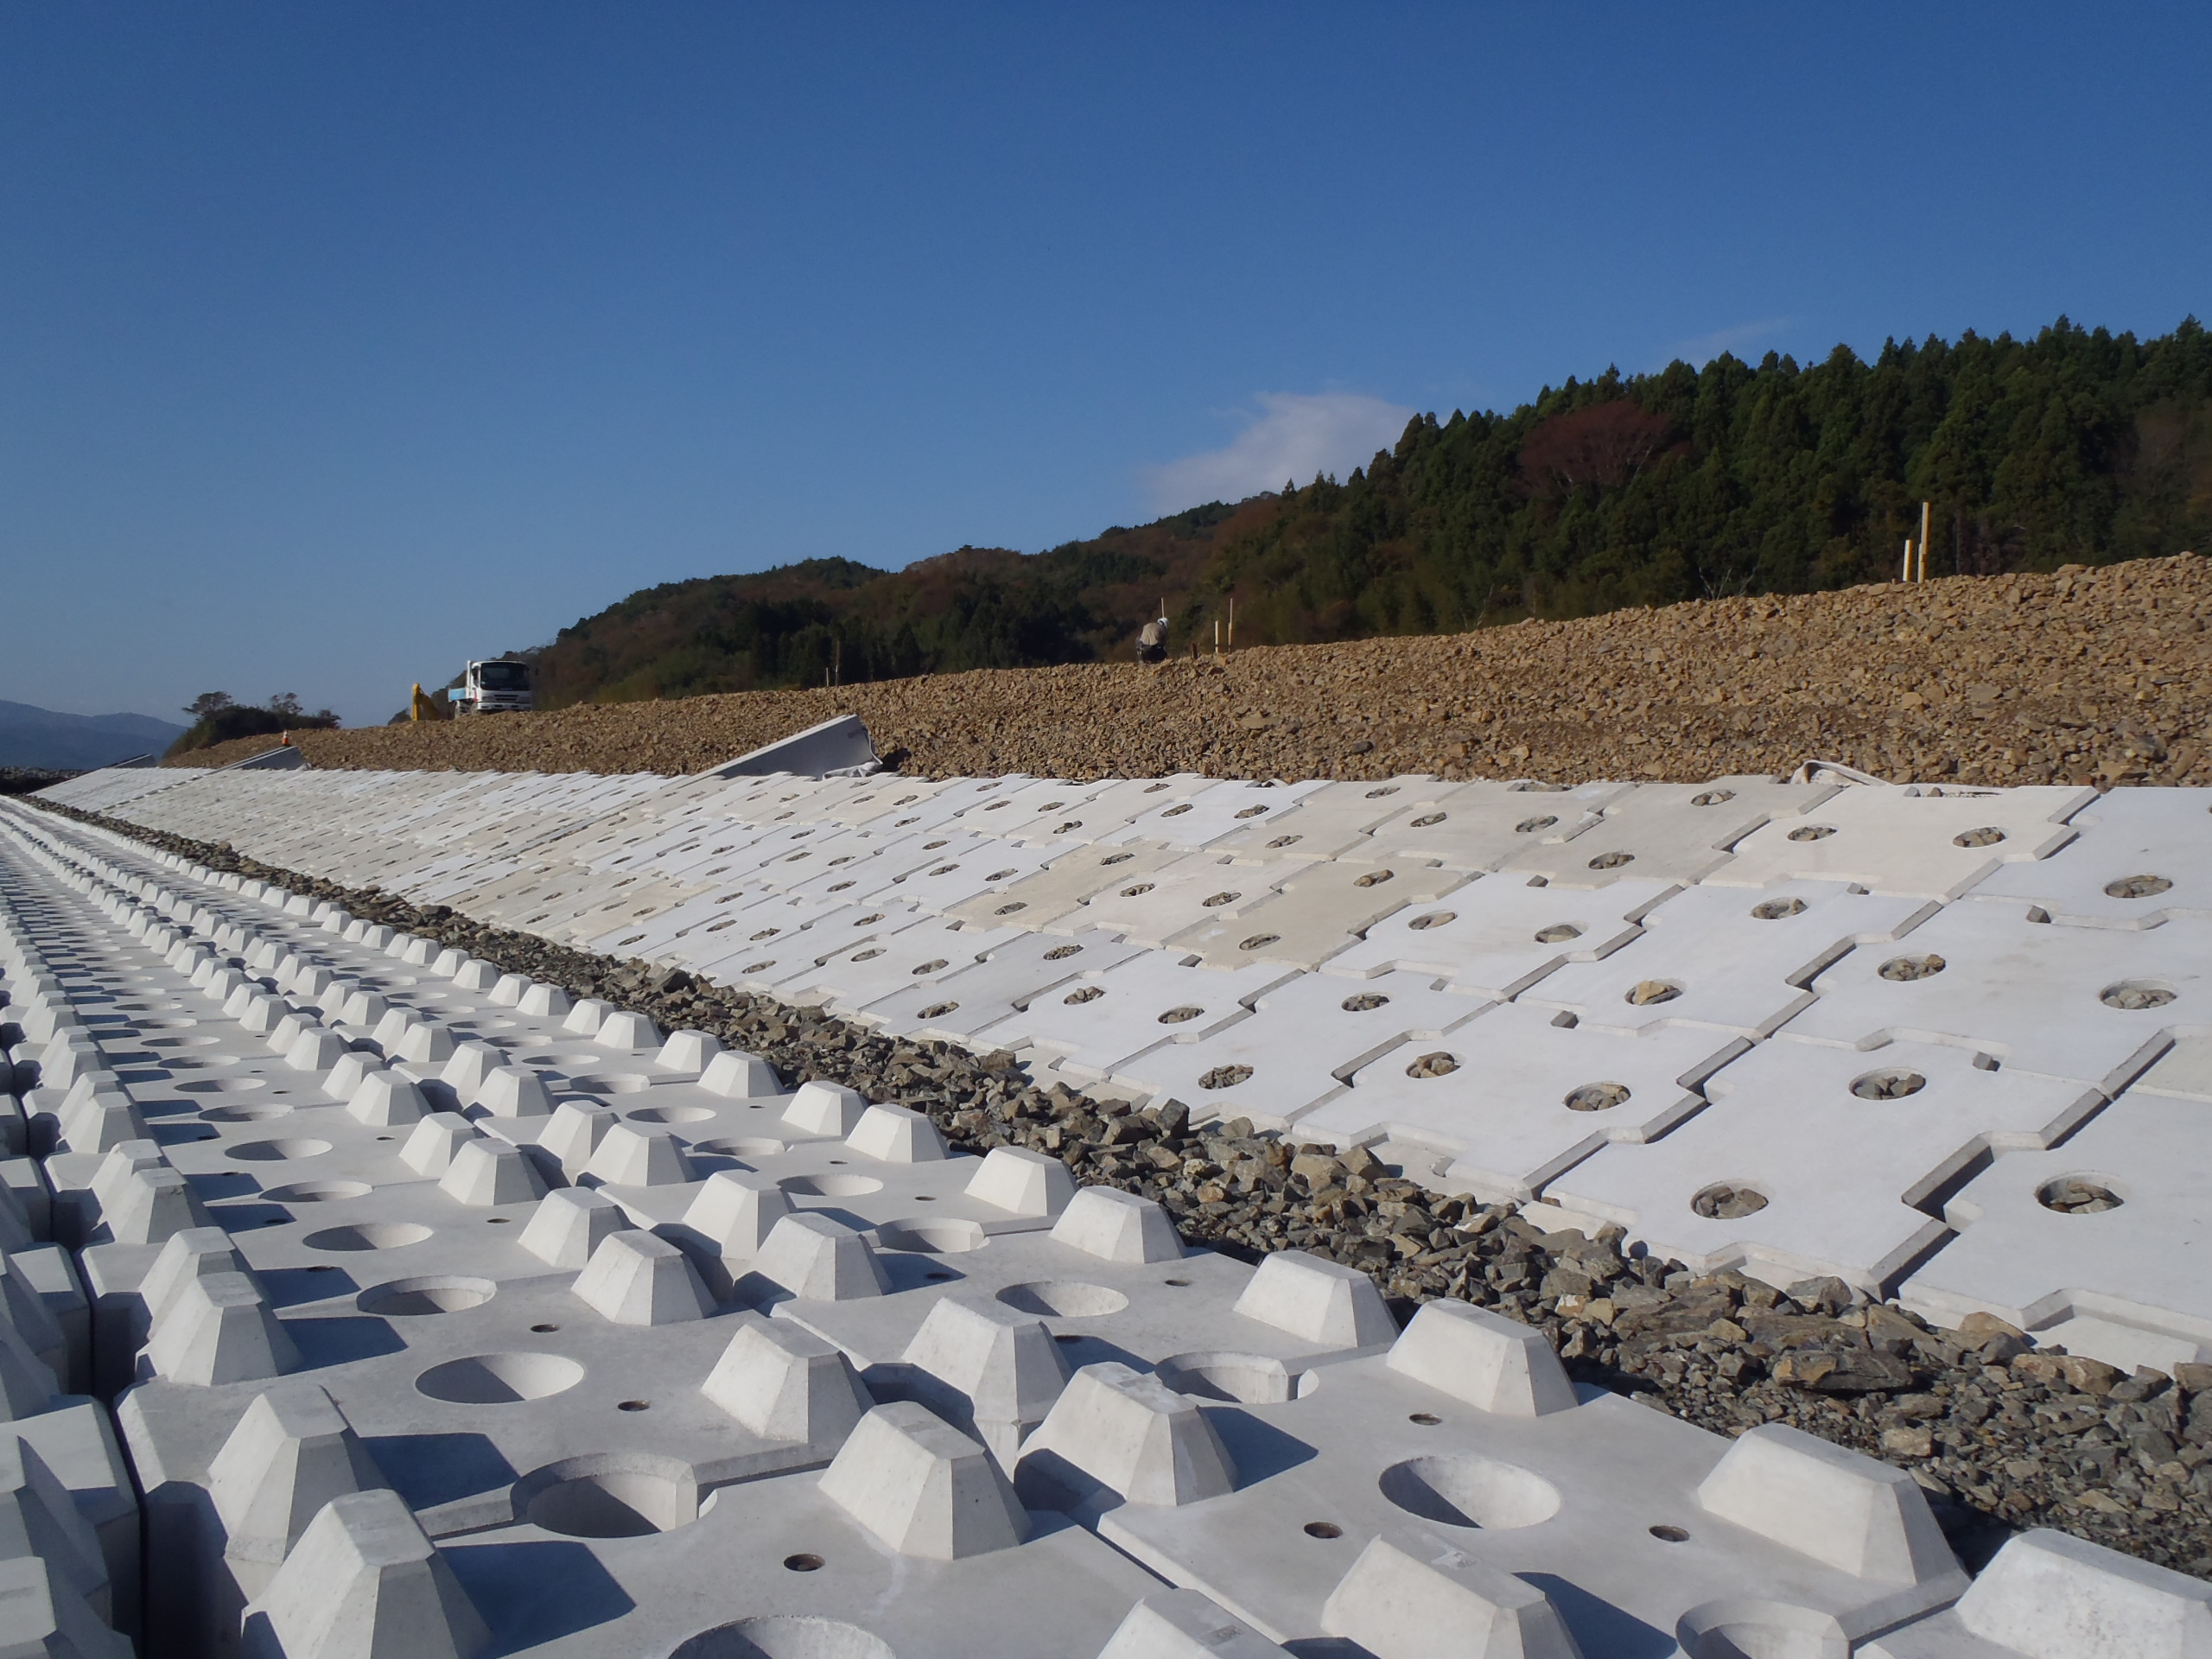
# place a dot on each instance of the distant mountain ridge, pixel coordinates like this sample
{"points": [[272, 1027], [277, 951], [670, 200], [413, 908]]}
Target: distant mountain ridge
{"points": [[2078, 446], [31, 736]]}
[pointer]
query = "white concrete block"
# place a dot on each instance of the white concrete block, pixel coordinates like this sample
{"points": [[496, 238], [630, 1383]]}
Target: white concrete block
{"points": [[687, 1050], [1185, 1625], [363, 1582], [514, 1091], [817, 1259], [822, 1108], [1320, 1301], [639, 1154], [635, 1278], [1117, 1226], [151, 1207], [574, 1132], [1493, 1363], [468, 1066], [41, 1614], [2048, 1595], [38, 1517], [316, 1051], [430, 1148], [545, 1002], [220, 1328], [584, 1018], [290, 1454], [989, 1368], [734, 1212], [385, 1098], [783, 1383], [1846, 1511], [1128, 1434], [569, 1224], [1420, 1598], [735, 1075], [923, 1488], [485, 1172], [1022, 1182], [624, 1033], [898, 1135], [426, 1043]]}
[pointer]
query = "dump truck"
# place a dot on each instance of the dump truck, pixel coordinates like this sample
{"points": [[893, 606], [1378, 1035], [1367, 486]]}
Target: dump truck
{"points": [[498, 685]]}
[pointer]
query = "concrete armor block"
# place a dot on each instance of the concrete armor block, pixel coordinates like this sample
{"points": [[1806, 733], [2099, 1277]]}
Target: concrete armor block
{"points": [[1419, 1598], [1117, 1226], [1128, 1433], [986, 1367], [364, 1583], [290, 1454], [635, 1278], [896, 1135], [783, 1383], [219, 1329], [386, 1098], [923, 1488], [1022, 1182], [485, 1172], [514, 1091], [1187, 1625], [1494, 1364], [817, 1259], [569, 1224], [825, 1108], [1322, 1301], [738, 1076]]}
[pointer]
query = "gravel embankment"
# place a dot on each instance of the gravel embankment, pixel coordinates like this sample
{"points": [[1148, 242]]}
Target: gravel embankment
{"points": [[2083, 676], [2001, 1434]]}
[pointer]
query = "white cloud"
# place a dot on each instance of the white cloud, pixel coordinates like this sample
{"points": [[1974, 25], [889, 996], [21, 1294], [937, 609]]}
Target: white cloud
{"points": [[1292, 436]]}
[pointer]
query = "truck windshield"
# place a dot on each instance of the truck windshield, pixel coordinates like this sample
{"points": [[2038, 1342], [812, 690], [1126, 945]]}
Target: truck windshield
{"points": [[503, 677]]}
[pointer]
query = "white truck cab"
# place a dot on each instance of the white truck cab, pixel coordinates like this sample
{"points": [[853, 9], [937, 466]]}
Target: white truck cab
{"points": [[495, 686]]}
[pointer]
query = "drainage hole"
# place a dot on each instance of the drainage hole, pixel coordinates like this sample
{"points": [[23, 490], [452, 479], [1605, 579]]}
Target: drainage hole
{"points": [[1324, 1530], [803, 1563], [634, 1405], [1425, 1419], [1671, 1534], [545, 1330]]}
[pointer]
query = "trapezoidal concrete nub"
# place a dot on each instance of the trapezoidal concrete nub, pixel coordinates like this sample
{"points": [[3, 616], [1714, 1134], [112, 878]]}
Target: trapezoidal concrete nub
{"points": [[1318, 1301], [1117, 1226], [819, 1260], [1844, 1511], [635, 1278], [364, 1581], [569, 1223], [291, 1453], [1401, 1603], [1187, 1625], [1489, 1362], [785, 1383], [923, 1487], [1130, 1433], [2050, 1596], [1022, 1182], [983, 1363]]}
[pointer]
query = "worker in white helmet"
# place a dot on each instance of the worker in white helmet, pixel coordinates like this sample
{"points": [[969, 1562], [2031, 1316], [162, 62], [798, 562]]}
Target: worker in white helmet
{"points": [[1151, 641]]}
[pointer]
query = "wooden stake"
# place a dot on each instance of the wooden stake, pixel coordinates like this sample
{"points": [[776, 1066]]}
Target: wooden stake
{"points": [[1925, 509], [1233, 622], [1904, 571]]}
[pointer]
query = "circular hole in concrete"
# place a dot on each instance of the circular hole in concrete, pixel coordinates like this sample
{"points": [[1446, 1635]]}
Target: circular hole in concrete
{"points": [[500, 1380], [1425, 1419], [2135, 995], [1085, 994], [243, 1114], [1226, 1076], [937, 1278], [1712, 798], [1558, 933], [1220, 899], [1435, 918], [1178, 1283], [1285, 841], [1138, 891], [1437, 1064], [669, 1115], [445, 1294], [1645, 992], [1247, 1379], [738, 1148], [1723, 1201], [1323, 1529], [937, 1010], [2078, 1195], [621, 1083], [1428, 820], [1364, 1003], [1910, 968], [1260, 942], [1888, 1085], [1181, 1016], [1813, 832], [497, 1221], [1058, 953], [1736, 1629], [1530, 826], [1774, 909], [1064, 1298], [1667, 1534], [544, 1330], [1988, 835], [633, 1405], [1376, 878], [786, 1636], [803, 1563], [317, 1192], [830, 1186], [1462, 1490], [932, 1238], [1611, 860], [1597, 1097], [221, 1085], [2137, 887], [368, 1235], [618, 1502]]}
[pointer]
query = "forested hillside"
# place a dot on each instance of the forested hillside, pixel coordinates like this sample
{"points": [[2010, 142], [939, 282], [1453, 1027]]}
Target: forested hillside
{"points": [[2076, 446]]}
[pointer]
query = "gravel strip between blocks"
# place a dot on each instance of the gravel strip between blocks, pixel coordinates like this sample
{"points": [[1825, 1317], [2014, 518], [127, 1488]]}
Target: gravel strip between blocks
{"points": [[2002, 1435]]}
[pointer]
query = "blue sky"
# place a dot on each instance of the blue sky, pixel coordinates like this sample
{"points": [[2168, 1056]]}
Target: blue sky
{"points": [[339, 342]]}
